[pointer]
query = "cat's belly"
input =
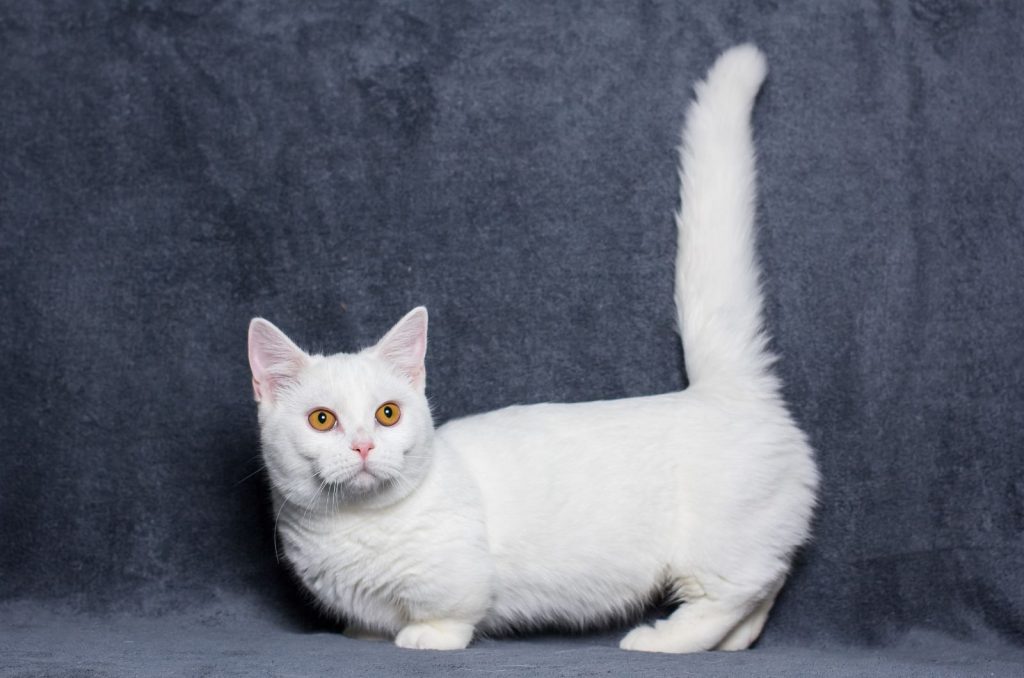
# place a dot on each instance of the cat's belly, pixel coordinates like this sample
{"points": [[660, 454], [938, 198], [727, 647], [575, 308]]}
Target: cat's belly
{"points": [[576, 561], [528, 596]]}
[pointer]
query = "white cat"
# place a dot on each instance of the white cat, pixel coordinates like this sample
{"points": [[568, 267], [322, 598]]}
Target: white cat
{"points": [[558, 515]]}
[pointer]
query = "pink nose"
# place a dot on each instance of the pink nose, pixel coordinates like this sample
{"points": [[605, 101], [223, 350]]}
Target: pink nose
{"points": [[363, 447]]}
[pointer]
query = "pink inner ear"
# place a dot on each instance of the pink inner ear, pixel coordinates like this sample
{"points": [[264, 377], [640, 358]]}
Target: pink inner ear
{"points": [[405, 345], [274, 359]]}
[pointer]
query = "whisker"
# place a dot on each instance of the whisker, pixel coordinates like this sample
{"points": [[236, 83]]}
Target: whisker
{"points": [[260, 469], [316, 495], [277, 518], [284, 502]]}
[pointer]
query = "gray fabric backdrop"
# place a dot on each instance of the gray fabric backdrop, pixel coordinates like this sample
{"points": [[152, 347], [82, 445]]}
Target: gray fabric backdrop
{"points": [[170, 169]]}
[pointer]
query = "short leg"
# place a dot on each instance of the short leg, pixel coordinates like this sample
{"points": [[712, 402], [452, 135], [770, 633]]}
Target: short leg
{"points": [[435, 635], [748, 630], [695, 626]]}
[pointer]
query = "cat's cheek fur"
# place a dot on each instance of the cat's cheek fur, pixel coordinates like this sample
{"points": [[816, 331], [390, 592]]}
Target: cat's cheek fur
{"points": [[290, 475]]}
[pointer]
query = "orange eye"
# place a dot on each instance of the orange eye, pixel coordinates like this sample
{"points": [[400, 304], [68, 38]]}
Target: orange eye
{"points": [[322, 420], [388, 414]]}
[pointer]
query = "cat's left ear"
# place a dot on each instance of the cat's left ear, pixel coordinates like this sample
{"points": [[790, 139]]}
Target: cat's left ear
{"points": [[405, 346]]}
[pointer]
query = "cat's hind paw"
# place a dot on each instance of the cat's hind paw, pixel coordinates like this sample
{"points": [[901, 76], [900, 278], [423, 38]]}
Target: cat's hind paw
{"points": [[436, 635], [648, 639]]}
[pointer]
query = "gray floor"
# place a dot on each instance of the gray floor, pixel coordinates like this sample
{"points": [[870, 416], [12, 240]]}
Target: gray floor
{"points": [[34, 642]]}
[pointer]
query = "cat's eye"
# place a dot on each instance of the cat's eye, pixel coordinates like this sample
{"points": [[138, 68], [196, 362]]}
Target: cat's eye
{"points": [[322, 420], [388, 414]]}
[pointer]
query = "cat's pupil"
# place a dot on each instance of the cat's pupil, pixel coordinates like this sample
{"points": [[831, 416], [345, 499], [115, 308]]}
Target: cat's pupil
{"points": [[322, 417], [387, 412]]}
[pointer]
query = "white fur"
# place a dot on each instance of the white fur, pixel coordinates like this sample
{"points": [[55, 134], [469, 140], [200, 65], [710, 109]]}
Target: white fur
{"points": [[568, 515]]}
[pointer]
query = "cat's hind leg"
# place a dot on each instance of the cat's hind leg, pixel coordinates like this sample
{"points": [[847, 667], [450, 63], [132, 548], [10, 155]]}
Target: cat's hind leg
{"points": [[703, 623], [748, 630], [695, 626]]}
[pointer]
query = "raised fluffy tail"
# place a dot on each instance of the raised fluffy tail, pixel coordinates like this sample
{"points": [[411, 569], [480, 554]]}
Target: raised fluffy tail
{"points": [[718, 292]]}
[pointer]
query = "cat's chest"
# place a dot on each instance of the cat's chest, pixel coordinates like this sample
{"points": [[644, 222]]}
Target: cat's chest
{"points": [[377, 567], [361, 569], [345, 551]]}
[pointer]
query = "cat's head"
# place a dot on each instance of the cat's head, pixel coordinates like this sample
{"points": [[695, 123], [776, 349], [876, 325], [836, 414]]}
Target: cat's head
{"points": [[344, 429]]}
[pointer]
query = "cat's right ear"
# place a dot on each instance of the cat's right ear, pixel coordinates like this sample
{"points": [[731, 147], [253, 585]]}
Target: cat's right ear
{"points": [[275, 360]]}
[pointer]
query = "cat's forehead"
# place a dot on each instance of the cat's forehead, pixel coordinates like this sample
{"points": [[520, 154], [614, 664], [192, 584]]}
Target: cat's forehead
{"points": [[351, 377]]}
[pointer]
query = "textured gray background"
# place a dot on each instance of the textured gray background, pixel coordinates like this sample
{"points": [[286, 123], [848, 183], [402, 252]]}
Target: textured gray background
{"points": [[168, 170]]}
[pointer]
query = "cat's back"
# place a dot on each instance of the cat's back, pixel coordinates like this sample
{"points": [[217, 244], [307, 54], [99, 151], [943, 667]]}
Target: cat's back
{"points": [[633, 435], [628, 434]]}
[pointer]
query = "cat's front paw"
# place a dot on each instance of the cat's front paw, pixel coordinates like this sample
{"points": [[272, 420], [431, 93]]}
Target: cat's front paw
{"points": [[436, 635]]}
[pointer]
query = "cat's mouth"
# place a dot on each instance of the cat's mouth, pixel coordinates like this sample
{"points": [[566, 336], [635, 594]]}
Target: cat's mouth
{"points": [[360, 481], [364, 481]]}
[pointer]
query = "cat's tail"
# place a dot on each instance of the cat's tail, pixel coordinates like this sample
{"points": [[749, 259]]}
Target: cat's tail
{"points": [[718, 291]]}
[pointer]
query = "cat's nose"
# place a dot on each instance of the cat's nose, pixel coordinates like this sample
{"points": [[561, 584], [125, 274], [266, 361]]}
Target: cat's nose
{"points": [[363, 447]]}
